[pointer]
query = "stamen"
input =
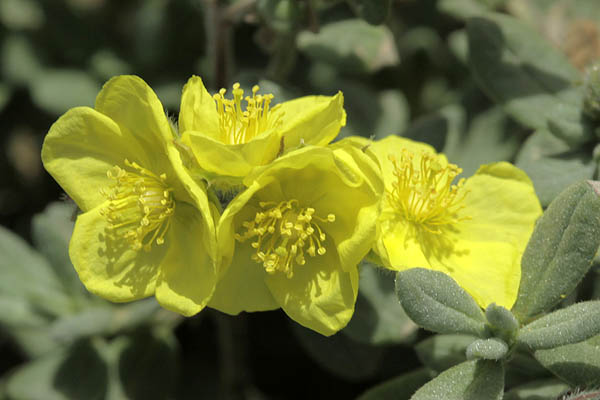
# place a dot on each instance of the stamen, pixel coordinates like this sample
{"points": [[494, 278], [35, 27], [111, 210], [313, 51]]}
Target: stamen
{"points": [[139, 208], [240, 126], [423, 193], [283, 231]]}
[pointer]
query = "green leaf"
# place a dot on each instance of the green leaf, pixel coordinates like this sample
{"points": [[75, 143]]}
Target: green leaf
{"points": [[378, 318], [458, 42], [552, 165], [351, 45], [523, 367], [527, 75], [560, 251], [55, 91], [398, 388], [437, 127], [78, 372], [51, 232], [489, 138], [546, 389], [21, 14], [465, 9], [435, 302], [565, 326], [372, 113], [440, 352], [375, 12], [487, 349], [578, 364], [24, 274], [147, 366], [280, 15], [471, 380], [103, 320], [339, 354], [26, 326], [20, 63], [501, 319]]}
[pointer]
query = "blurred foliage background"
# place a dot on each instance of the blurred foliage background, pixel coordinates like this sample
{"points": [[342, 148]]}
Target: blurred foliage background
{"points": [[404, 67]]}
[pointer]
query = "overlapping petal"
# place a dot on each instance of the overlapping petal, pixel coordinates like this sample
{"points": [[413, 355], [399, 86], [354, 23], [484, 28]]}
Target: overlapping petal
{"points": [[321, 293], [120, 165], [309, 120]]}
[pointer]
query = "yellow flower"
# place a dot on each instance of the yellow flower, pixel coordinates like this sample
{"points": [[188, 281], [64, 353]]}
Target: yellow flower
{"points": [[146, 226], [475, 230], [229, 138], [294, 237]]}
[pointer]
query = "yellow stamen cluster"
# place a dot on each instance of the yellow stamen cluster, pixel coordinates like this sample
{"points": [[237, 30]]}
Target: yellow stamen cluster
{"points": [[139, 207], [283, 231], [240, 126], [423, 192]]}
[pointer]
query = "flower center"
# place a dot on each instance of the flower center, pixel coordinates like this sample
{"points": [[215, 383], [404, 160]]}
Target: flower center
{"points": [[423, 192], [240, 126], [139, 208], [284, 232]]}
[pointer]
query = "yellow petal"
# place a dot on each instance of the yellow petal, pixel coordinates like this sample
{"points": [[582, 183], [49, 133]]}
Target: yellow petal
{"points": [[198, 110], [133, 105], [242, 286], [81, 146], [326, 181], [108, 268], [314, 119], [488, 271], [187, 273], [195, 194], [319, 295], [231, 160], [501, 204]]}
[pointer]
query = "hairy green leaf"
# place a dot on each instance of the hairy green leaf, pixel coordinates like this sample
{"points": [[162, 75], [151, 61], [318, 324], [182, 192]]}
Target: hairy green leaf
{"points": [[565, 326], [471, 380], [440, 352], [560, 251], [578, 364], [435, 302], [552, 165], [487, 349], [398, 388]]}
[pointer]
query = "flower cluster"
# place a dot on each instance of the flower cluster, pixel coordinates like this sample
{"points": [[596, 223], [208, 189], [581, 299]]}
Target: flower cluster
{"points": [[246, 205]]}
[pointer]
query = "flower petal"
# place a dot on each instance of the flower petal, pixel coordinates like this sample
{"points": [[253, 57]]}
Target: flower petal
{"points": [[81, 146], [187, 274], [134, 106], [108, 268], [314, 119], [198, 110], [320, 295], [501, 205], [324, 180], [241, 286], [231, 159], [488, 271]]}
